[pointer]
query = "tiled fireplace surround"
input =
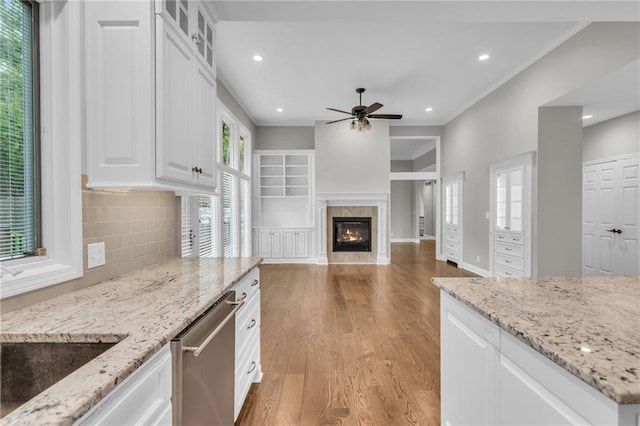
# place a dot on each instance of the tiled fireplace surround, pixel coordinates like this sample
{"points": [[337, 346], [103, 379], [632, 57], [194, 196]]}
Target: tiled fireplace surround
{"points": [[375, 205]]}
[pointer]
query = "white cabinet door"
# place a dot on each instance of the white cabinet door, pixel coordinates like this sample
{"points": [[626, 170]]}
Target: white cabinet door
{"points": [[205, 141], [610, 218], [522, 400], [277, 243], [174, 105], [302, 243], [264, 243], [290, 243], [468, 365], [119, 93]]}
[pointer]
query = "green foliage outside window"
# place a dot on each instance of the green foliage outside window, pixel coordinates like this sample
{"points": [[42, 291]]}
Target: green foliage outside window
{"points": [[226, 144], [241, 168]]}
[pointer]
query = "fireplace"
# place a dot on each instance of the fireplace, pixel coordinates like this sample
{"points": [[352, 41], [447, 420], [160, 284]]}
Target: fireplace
{"points": [[351, 234]]}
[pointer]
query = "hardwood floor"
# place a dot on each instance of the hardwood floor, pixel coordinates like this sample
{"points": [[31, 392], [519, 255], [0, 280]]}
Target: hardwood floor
{"points": [[351, 344]]}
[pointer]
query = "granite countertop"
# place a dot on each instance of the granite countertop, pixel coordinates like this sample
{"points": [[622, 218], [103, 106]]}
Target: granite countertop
{"points": [[558, 316], [143, 310]]}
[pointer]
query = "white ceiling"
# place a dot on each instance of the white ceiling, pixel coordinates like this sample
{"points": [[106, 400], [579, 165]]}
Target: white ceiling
{"points": [[409, 55], [610, 96]]}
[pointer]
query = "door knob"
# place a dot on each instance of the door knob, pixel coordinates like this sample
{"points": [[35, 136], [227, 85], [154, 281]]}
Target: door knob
{"points": [[615, 231]]}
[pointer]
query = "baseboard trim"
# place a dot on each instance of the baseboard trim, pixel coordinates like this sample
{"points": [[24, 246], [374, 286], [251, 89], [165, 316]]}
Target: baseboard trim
{"points": [[405, 240], [268, 261], [476, 270]]}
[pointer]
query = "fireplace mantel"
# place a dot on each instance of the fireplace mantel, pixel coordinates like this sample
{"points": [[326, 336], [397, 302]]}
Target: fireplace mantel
{"points": [[380, 201]]}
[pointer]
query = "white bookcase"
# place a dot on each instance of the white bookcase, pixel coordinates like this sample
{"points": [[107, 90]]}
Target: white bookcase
{"points": [[283, 205]]}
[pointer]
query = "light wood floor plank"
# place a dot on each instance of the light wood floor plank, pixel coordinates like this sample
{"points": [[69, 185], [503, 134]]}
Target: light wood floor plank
{"points": [[351, 344]]}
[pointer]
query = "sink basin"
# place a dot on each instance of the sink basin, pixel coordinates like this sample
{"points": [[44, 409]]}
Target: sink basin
{"points": [[28, 368]]}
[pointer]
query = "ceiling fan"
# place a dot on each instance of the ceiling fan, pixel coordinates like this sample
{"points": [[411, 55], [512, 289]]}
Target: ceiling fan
{"points": [[360, 114]]}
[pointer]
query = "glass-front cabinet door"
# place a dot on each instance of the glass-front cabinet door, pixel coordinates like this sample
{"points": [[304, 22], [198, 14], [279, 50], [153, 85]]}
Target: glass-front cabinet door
{"points": [[452, 205]]}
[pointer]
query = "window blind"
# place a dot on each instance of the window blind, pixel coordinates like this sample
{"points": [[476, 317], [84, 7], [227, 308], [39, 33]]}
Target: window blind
{"points": [[229, 211], [18, 141], [244, 225], [187, 246]]}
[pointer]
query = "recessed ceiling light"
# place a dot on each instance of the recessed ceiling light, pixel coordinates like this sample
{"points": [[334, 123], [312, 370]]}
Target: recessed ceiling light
{"points": [[484, 57], [585, 349], [257, 58], [429, 109], [279, 109], [586, 117]]}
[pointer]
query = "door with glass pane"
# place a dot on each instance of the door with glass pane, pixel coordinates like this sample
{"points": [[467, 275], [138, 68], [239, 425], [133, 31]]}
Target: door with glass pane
{"points": [[511, 217], [452, 204]]}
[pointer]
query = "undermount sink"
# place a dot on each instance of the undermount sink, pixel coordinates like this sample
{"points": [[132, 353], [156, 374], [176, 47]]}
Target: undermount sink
{"points": [[28, 368]]}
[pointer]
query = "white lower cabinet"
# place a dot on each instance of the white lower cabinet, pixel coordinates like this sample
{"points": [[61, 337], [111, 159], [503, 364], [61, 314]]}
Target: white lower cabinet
{"points": [[490, 377], [469, 362], [143, 398], [284, 244], [247, 347]]}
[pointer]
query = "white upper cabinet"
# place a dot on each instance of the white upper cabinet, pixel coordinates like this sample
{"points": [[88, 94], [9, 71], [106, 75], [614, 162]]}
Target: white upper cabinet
{"points": [[511, 217], [150, 96]]}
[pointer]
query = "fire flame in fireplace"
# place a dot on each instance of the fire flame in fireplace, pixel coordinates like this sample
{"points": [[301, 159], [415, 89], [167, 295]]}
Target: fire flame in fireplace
{"points": [[349, 235]]}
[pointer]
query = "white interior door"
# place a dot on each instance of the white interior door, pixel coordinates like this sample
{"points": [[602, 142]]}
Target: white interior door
{"points": [[610, 217]]}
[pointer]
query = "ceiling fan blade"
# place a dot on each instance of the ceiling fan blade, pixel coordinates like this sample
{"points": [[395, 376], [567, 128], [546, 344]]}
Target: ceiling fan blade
{"points": [[387, 116], [371, 108], [342, 119], [338, 110]]}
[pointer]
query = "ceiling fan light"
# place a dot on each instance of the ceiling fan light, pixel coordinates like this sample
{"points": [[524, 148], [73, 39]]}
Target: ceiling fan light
{"points": [[352, 126]]}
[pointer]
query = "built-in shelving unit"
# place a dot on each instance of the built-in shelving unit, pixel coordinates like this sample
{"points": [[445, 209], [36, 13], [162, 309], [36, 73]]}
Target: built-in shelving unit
{"points": [[283, 204]]}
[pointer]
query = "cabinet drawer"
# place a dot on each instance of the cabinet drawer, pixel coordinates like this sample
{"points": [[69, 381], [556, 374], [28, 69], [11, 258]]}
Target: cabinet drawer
{"points": [[510, 249], [511, 262], [452, 245], [247, 370], [451, 236], [516, 239], [502, 236], [247, 321], [504, 271], [247, 286], [451, 254]]}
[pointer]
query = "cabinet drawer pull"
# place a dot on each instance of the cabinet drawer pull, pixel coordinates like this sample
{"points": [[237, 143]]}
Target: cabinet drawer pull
{"points": [[244, 296], [507, 261], [253, 324], [253, 367], [507, 249], [255, 283]]}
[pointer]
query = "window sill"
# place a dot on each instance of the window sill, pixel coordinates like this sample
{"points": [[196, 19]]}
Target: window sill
{"points": [[34, 275]]}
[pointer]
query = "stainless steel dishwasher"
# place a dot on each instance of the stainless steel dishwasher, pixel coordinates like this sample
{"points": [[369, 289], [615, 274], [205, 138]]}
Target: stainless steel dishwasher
{"points": [[203, 357]]}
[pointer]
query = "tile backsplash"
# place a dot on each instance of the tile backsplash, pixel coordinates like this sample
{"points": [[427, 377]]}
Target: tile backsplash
{"points": [[139, 228]]}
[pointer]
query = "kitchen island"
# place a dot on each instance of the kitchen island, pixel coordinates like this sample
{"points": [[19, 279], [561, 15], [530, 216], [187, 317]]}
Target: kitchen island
{"points": [[563, 350], [139, 312]]}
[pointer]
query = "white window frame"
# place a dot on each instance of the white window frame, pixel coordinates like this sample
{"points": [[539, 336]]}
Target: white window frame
{"points": [[61, 117], [237, 130]]}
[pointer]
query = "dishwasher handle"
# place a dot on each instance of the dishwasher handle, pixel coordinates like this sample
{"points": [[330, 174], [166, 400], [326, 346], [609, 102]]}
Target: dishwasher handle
{"points": [[198, 349]]}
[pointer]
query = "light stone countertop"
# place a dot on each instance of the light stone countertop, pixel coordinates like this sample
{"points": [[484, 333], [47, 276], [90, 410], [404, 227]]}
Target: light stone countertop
{"points": [[145, 309], [557, 316]]}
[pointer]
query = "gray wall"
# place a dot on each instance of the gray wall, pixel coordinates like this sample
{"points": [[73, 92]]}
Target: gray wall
{"points": [[284, 137], [395, 131], [401, 165], [229, 101], [505, 123], [424, 161], [611, 138], [402, 207], [427, 193], [348, 161], [559, 192]]}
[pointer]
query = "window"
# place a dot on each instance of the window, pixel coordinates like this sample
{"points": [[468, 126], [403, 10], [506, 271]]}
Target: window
{"points": [[56, 30], [19, 151], [226, 143], [221, 225]]}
